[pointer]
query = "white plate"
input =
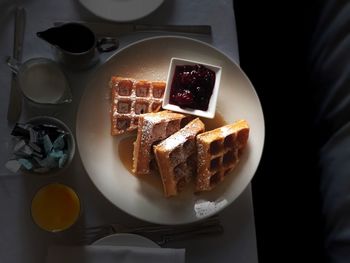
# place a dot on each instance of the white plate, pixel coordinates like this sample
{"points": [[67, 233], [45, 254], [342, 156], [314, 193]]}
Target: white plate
{"points": [[121, 10], [149, 59], [125, 239]]}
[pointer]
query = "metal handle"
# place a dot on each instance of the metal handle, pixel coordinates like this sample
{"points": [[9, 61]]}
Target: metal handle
{"points": [[193, 29], [107, 44]]}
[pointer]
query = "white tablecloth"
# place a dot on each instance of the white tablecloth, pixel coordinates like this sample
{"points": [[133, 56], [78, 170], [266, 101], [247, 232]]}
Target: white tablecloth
{"points": [[20, 239]]}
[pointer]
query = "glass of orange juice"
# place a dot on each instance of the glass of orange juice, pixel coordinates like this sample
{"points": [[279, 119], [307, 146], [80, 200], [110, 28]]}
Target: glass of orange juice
{"points": [[55, 207]]}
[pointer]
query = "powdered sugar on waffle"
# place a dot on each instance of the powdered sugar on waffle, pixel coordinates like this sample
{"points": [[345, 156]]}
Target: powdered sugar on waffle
{"points": [[178, 138], [148, 125], [174, 141], [152, 128], [130, 99], [153, 119], [225, 131]]}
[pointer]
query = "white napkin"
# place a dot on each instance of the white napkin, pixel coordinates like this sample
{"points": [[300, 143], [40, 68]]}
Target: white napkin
{"points": [[115, 254]]}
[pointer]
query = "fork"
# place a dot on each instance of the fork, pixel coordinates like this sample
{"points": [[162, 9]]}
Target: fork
{"points": [[161, 234]]}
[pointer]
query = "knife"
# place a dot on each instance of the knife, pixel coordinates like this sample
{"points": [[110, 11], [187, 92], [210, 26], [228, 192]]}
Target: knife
{"points": [[15, 100], [115, 29]]}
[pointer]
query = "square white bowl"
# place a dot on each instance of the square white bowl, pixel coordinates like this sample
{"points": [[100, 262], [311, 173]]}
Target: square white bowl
{"points": [[210, 112]]}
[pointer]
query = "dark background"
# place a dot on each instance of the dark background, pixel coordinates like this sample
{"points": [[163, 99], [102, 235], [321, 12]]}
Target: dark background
{"points": [[274, 41]]}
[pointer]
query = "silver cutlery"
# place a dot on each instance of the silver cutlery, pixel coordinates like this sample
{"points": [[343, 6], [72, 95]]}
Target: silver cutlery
{"points": [[15, 100], [116, 29], [161, 234]]}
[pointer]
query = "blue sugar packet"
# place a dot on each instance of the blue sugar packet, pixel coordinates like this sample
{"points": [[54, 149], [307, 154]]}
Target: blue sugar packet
{"points": [[47, 144], [48, 162], [59, 143], [56, 154], [62, 161], [26, 163]]}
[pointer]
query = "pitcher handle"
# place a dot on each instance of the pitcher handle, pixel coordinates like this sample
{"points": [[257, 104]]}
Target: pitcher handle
{"points": [[107, 44]]}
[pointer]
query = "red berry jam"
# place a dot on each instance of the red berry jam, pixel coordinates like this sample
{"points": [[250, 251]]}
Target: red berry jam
{"points": [[192, 87]]}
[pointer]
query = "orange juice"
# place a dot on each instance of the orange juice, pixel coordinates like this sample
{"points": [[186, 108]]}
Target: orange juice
{"points": [[55, 207]]}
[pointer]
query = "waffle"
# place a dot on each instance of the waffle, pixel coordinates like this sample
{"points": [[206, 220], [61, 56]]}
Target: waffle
{"points": [[219, 151], [176, 157], [130, 98], [152, 128]]}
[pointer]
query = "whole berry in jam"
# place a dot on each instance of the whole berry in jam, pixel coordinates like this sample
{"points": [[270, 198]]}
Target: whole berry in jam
{"points": [[184, 99]]}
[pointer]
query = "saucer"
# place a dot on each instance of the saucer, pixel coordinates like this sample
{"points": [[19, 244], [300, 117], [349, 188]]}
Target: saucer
{"points": [[124, 239], [121, 10]]}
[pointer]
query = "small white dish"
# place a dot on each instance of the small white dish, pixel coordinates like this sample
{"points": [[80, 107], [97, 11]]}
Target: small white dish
{"points": [[42, 81], [70, 141], [121, 10], [210, 112]]}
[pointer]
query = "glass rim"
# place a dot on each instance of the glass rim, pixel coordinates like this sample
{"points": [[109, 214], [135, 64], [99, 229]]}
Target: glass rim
{"points": [[66, 187]]}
